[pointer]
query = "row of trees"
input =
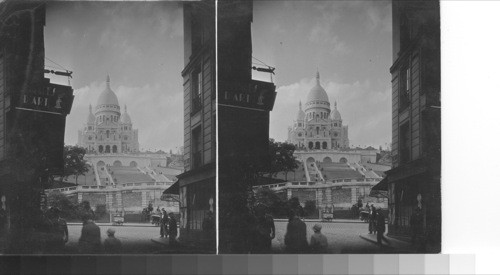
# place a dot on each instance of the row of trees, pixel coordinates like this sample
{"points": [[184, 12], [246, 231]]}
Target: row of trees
{"points": [[72, 210], [280, 208]]}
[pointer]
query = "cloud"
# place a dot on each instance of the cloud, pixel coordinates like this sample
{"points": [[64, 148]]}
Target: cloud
{"points": [[365, 109], [379, 16], [324, 33]]}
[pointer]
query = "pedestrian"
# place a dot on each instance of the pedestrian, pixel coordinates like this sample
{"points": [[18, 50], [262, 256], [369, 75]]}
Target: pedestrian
{"points": [[372, 226], [296, 235], [208, 227], [112, 245], [318, 243], [59, 230], [264, 231], [90, 240], [172, 229], [416, 224], [163, 223], [381, 227]]}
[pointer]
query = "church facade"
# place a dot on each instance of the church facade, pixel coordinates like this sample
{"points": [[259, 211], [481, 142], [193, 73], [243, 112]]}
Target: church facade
{"points": [[317, 127], [107, 130]]}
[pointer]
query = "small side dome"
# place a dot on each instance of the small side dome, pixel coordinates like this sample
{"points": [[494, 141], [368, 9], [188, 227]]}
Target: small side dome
{"points": [[335, 113], [125, 118]]}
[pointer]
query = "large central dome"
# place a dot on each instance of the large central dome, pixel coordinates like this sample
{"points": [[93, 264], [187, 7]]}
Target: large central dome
{"points": [[317, 93], [317, 97], [107, 97]]}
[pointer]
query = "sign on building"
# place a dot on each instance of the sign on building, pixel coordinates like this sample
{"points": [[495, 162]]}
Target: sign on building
{"points": [[256, 95], [47, 98]]}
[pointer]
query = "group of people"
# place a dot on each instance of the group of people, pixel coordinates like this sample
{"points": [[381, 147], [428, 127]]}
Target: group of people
{"points": [[264, 232], [90, 239], [296, 237], [168, 226]]}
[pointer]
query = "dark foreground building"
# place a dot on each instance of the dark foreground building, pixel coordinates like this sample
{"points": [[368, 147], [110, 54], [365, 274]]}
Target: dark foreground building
{"points": [[32, 121], [196, 186], [243, 111], [415, 178]]}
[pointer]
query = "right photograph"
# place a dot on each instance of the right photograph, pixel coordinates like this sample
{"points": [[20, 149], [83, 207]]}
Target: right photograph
{"points": [[329, 127]]}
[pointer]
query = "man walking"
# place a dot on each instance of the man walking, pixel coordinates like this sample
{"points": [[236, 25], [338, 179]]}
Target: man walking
{"points": [[264, 232], [381, 227], [60, 230], [373, 220], [416, 224], [163, 223]]}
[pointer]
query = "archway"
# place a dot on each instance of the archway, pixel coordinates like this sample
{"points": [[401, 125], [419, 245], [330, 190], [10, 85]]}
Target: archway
{"points": [[117, 163], [325, 145], [327, 160], [101, 163], [310, 159], [343, 160], [133, 164], [115, 149]]}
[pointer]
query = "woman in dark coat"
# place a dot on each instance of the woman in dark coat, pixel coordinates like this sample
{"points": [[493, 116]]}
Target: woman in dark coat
{"points": [[172, 230], [296, 235]]}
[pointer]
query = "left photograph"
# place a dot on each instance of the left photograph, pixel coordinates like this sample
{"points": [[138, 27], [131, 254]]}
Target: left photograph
{"points": [[107, 127]]}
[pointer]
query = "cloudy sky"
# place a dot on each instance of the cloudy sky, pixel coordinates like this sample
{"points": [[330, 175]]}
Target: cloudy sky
{"points": [[348, 41], [140, 45]]}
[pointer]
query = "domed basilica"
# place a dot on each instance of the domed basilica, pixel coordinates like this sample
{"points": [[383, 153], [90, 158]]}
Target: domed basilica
{"points": [[317, 127], [107, 130]]}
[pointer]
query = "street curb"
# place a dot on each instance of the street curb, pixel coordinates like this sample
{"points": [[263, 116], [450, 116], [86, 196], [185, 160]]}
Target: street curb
{"points": [[321, 221], [110, 224]]}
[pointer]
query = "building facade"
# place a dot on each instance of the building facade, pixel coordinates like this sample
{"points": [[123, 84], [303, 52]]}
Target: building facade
{"points": [[415, 178], [107, 130], [317, 126], [197, 184], [32, 121]]}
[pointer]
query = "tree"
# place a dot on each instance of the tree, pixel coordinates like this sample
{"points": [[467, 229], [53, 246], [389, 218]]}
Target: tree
{"points": [[74, 164], [282, 158]]}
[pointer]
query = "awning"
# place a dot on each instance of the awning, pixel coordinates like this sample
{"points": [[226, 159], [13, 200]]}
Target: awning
{"points": [[171, 193], [380, 189], [173, 189]]}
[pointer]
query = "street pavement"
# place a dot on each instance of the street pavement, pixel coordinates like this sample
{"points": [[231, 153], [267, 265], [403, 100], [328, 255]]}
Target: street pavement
{"points": [[348, 237], [343, 237], [136, 239]]}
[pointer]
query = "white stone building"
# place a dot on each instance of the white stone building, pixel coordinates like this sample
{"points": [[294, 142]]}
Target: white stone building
{"points": [[317, 126], [107, 130]]}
